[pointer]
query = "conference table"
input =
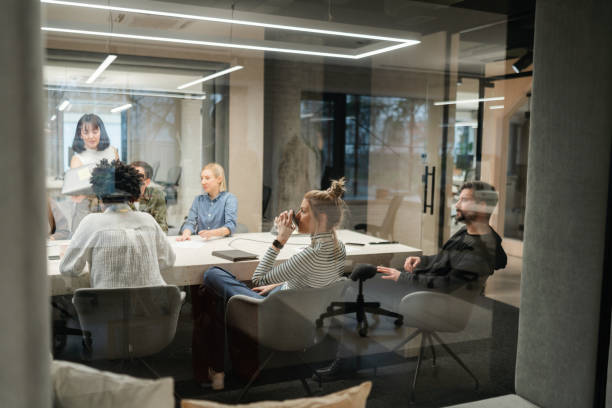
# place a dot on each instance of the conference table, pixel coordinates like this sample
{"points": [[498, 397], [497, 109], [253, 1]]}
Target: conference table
{"points": [[195, 256]]}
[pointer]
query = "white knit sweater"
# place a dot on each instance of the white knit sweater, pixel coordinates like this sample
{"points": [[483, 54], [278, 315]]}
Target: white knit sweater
{"points": [[123, 248]]}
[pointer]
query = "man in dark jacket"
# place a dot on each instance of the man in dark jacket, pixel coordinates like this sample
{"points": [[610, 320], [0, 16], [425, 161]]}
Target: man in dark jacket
{"points": [[468, 257]]}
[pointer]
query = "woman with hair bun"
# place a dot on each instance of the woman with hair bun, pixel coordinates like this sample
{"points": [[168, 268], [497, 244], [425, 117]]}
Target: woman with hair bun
{"points": [[318, 265], [91, 142]]}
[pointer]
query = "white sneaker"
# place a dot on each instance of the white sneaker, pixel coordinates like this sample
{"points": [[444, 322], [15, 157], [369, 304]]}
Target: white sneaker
{"points": [[217, 380]]}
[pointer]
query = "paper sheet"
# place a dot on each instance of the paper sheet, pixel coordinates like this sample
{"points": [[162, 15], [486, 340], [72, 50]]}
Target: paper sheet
{"points": [[189, 244]]}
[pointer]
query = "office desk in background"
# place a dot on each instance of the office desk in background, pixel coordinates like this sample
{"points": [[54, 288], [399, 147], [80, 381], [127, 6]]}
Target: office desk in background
{"points": [[194, 257]]}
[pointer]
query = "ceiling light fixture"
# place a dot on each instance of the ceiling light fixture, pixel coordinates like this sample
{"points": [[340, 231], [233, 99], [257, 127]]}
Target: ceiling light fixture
{"points": [[63, 105], [121, 108], [496, 107], [496, 98], [209, 77], [227, 20], [53, 118], [107, 61], [227, 45]]}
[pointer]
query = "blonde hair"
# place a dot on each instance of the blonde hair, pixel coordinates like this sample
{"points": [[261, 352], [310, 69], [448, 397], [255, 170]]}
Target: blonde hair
{"points": [[218, 171], [329, 202]]}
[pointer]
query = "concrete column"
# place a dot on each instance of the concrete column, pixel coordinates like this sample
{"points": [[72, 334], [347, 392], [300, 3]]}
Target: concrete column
{"points": [[24, 296], [567, 190]]}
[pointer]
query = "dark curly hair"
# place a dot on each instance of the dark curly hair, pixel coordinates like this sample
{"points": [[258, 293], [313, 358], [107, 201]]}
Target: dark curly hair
{"points": [[78, 145], [116, 182]]}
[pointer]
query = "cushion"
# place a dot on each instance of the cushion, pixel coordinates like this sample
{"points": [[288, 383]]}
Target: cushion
{"points": [[79, 386], [354, 397]]}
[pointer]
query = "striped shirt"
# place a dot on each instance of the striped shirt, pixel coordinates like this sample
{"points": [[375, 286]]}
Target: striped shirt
{"points": [[320, 264]]}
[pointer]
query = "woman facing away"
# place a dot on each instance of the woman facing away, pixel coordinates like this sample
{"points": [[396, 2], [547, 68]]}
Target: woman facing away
{"points": [[91, 142], [318, 265], [123, 248], [214, 213]]}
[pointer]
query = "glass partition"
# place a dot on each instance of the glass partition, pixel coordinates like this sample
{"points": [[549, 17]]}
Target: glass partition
{"points": [[406, 100]]}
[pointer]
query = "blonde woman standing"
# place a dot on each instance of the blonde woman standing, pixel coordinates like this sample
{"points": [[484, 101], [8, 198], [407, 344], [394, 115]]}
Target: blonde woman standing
{"points": [[214, 213]]}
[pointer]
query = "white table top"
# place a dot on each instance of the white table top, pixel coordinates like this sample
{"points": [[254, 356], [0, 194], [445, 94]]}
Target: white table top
{"points": [[194, 257]]}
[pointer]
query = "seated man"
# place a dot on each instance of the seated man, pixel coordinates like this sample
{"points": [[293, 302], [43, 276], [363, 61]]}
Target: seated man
{"points": [[123, 248], [152, 200], [472, 253]]}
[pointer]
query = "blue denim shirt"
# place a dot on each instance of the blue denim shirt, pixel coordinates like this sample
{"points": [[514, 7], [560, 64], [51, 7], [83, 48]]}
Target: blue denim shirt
{"points": [[206, 214]]}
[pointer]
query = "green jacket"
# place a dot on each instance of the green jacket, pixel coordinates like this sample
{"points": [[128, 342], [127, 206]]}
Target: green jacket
{"points": [[153, 201]]}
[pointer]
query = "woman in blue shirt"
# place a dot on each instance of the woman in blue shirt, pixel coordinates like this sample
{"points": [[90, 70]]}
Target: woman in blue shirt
{"points": [[212, 214]]}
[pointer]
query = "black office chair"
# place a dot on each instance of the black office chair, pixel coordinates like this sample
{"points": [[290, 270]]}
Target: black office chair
{"points": [[386, 229], [360, 307], [171, 183]]}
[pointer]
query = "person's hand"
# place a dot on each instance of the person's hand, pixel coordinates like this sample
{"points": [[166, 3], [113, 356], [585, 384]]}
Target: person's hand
{"points": [[264, 290], [185, 237], [205, 234], [411, 263], [389, 273], [284, 226]]}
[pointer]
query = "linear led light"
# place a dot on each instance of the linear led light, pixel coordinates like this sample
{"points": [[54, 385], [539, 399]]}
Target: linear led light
{"points": [[227, 45], [215, 75], [121, 108], [496, 107], [496, 98], [107, 61], [112, 91], [227, 20], [53, 118], [63, 105]]}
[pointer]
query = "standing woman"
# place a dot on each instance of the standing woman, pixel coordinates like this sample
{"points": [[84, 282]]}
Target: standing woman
{"points": [[214, 213], [91, 142]]}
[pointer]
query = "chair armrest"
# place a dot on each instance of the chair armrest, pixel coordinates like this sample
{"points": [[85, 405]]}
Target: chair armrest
{"points": [[242, 315]]}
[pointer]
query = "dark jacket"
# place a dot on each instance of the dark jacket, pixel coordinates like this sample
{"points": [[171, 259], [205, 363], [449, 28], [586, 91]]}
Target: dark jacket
{"points": [[464, 259]]}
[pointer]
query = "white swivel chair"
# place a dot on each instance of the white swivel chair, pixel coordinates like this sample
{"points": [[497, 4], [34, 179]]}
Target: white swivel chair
{"points": [[128, 323], [431, 313], [284, 321]]}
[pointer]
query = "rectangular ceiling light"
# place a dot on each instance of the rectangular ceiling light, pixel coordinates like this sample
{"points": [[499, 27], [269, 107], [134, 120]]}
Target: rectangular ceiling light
{"points": [[63, 105], [496, 98], [215, 75], [226, 20], [107, 61], [121, 108], [401, 42], [496, 107]]}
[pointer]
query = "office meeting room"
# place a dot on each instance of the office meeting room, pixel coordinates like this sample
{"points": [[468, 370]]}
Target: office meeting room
{"points": [[305, 203]]}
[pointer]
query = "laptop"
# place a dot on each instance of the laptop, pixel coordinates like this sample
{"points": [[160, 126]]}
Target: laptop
{"points": [[76, 181]]}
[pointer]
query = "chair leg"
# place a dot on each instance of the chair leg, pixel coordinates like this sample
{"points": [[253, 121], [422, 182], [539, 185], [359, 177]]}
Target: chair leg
{"points": [[254, 377], [433, 350], [457, 359], [416, 372], [412, 336]]}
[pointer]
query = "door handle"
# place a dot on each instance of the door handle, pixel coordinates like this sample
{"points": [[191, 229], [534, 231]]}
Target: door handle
{"points": [[425, 189]]}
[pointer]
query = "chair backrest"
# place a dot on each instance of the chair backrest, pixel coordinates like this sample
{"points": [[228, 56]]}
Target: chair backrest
{"points": [[435, 311], [128, 322], [174, 175], [386, 229], [286, 319]]}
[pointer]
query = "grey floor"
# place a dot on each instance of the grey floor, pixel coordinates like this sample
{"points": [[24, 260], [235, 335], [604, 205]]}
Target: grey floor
{"points": [[487, 346]]}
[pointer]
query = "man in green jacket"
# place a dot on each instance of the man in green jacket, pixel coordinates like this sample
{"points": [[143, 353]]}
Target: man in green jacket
{"points": [[152, 200]]}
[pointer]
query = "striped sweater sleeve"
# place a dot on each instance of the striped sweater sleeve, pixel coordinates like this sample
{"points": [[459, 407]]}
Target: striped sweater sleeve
{"points": [[294, 269]]}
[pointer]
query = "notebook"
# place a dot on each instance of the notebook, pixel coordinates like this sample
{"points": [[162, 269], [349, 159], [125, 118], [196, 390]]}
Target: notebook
{"points": [[234, 255]]}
